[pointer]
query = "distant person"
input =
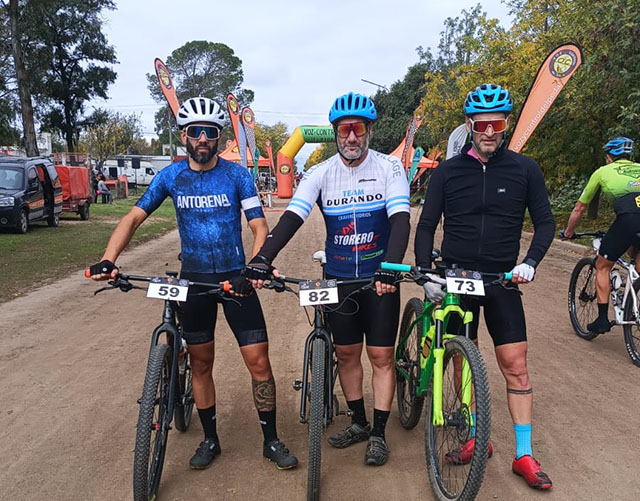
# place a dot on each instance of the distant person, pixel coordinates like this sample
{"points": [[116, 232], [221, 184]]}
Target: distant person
{"points": [[104, 191]]}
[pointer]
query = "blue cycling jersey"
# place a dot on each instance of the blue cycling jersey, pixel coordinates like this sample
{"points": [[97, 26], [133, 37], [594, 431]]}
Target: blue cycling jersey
{"points": [[208, 207]]}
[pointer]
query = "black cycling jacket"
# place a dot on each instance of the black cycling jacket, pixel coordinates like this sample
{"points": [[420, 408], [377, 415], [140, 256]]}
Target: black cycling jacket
{"points": [[484, 207]]}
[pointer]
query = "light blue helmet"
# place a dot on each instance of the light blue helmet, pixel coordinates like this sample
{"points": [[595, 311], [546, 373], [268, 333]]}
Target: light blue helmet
{"points": [[619, 146], [488, 98], [353, 105]]}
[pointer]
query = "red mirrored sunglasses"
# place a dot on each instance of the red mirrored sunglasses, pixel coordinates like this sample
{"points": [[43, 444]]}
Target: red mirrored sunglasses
{"points": [[358, 128], [498, 125]]}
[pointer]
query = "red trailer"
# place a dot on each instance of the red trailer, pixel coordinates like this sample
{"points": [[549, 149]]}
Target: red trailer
{"points": [[76, 192]]}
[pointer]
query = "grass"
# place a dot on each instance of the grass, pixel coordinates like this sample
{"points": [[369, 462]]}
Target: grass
{"points": [[45, 254], [602, 222]]}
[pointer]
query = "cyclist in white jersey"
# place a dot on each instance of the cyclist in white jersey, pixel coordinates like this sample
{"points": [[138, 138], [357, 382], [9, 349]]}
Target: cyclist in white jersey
{"points": [[364, 198]]}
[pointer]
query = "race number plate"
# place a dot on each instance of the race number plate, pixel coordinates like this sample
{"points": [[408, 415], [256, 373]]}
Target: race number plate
{"points": [[314, 292], [465, 282], [168, 288]]}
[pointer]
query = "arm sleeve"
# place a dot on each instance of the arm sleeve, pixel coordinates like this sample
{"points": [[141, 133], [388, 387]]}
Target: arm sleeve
{"points": [[156, 193], [398, 237], [430, 217], [397, 190], [591, 189], [280, 235], [249, 199], [540, 211]]}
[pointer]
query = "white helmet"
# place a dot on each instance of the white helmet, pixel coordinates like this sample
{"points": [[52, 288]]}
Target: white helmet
{"points": [[200, 109]]}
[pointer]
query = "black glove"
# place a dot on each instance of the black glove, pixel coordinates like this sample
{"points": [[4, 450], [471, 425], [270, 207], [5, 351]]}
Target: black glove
{"points": [[565, 237], [386, 276], [259, 268], [105, 267], [241, 285]]}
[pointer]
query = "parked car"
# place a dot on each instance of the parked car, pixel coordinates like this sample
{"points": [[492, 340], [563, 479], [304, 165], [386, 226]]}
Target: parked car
{"points": [[30, 190], [76, 192]]}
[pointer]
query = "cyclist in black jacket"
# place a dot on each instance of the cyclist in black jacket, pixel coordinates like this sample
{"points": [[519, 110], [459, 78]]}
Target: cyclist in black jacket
{"points": [[483, 193]]}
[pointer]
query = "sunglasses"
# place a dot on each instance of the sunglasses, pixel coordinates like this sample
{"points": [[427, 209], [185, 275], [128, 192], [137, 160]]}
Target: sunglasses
{"points": [[195, 131], [358, 128], [498, 125]]}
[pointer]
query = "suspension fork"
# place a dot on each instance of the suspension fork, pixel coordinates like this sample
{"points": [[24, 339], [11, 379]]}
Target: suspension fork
{"points": [[170, 329]]}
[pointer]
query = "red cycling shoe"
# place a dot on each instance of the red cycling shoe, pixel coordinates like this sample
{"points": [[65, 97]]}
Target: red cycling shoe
{"points": [[464, 454], [530, 470]]}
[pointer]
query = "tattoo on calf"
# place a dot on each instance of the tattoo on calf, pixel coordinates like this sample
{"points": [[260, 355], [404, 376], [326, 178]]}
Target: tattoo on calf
{"points": [[520, 392], [264, 394]]}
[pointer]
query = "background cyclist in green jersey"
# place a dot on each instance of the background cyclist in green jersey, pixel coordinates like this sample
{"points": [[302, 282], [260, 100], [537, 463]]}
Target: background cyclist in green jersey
{"points": [[619, 180]]}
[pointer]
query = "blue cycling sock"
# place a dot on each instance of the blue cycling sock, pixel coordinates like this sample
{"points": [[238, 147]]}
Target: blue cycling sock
{"points": [[523, 440], [473, 426]]}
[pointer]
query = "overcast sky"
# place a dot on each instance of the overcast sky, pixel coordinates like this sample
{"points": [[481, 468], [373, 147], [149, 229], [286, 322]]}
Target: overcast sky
{"points": [[296, 56]]}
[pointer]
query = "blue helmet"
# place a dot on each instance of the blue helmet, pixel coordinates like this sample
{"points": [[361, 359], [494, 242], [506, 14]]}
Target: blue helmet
{"points": [[619, 146], [352, 105], [488, 98]]}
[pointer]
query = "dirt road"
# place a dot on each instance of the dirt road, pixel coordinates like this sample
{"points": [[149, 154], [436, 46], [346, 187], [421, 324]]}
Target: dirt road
{"points": [[72, 367]]}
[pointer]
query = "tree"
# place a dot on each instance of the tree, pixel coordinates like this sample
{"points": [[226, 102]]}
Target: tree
{"points": [[66, 53], [24, 91], [201, 68], [277, 132], [320, 154], [113, 134]]}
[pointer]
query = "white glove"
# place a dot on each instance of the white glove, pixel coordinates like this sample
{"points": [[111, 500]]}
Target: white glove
{"points": [[434, 292], [524, 271]]}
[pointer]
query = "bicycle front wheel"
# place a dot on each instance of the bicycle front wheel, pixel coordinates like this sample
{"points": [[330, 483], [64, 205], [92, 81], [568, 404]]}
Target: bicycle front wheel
{"points": [[632, 332], [408, 359], [153, 425], [184, 405], [583, 304], [316, 418], [451, 481]]}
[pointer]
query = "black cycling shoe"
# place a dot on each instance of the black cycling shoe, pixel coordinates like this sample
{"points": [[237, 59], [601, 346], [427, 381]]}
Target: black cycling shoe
{"points": [[599, 325], [205, 454], [377, 451], [352, 434], [276, 451]]}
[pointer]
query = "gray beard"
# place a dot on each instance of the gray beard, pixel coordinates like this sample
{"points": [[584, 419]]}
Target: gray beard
{"points": [[202, 158], [356, 155]]}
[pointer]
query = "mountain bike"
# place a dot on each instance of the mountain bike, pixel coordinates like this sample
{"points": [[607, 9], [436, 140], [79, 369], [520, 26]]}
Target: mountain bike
{"points": [[318, 402], [446, 372], [167, 391], [583, 303]]}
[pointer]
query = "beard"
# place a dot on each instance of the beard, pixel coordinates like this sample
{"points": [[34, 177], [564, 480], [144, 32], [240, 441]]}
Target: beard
{"points": [[353, 154], [202, 158]]}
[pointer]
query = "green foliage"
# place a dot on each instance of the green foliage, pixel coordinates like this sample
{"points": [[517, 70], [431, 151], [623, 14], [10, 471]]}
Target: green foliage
{"points": [[277, 133], [201, 68], [320, 154], [111, 133], [65, 54]]}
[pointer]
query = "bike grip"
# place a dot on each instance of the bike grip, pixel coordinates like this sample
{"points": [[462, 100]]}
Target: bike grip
{"points": [[508, 276], [226, 285], [87, 273], [395, 267]]}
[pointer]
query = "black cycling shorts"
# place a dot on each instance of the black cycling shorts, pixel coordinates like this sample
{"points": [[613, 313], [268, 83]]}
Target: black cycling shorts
{"points": [[620, 236], [199, 313], [503, 314], [364, 313]]}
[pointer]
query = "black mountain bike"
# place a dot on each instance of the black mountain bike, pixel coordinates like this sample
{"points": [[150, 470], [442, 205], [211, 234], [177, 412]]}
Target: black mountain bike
{"points": [[167, 392], [318, 402]]}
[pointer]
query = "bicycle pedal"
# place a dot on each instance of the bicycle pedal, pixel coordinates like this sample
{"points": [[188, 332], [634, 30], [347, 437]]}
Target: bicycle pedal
{"points": [[348, 412], [297, 384]]}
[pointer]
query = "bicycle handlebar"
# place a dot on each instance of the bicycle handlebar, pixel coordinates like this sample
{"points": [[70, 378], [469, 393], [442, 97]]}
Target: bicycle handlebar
{"points": [[441, 272], [122, 282]]}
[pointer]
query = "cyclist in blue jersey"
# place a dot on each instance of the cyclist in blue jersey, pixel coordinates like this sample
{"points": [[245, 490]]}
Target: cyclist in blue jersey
{"points": [[208, 193], [364, 198]]}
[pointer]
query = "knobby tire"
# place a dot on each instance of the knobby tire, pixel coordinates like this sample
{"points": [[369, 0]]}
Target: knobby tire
{"points": [[632, 332], [316, 418], [583, 303]]}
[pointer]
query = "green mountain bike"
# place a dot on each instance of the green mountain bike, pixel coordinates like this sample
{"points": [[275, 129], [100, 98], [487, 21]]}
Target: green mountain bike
{"points": [[447, 373]]}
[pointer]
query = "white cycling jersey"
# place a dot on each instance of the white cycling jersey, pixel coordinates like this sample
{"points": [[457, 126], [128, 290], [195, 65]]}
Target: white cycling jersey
{"points": [[356, 203]]}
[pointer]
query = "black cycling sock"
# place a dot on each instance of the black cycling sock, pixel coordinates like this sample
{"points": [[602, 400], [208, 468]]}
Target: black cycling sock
{"points": [[208, 420], [358, 414], [379, 422], [268, 423], [603, 310]]}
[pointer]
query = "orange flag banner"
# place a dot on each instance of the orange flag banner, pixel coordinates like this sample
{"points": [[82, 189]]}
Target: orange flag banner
{"points": [[234, 115], [267, 146], [166, 85], [553, 75]]}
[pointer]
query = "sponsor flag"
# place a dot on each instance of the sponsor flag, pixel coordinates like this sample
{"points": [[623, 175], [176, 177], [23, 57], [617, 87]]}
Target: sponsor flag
{"points": [[412, 127], [267, 146], [553, 75], [417, 156], [166, 85], [234, 116]]}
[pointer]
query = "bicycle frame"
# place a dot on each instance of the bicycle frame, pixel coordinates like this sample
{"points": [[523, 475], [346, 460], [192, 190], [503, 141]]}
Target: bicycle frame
{"points": [[434, 363], [629, 292]]}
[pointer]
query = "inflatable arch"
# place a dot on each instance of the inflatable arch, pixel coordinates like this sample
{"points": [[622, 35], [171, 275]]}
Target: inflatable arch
{"points": [[302, 135]]}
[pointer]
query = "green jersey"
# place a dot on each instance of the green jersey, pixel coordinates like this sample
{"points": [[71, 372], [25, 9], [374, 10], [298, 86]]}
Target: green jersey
{"points": [[617, 180]]}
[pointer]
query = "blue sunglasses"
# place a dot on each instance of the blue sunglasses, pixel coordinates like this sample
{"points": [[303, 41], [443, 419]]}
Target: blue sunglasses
{"points": [[195, 131]]}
